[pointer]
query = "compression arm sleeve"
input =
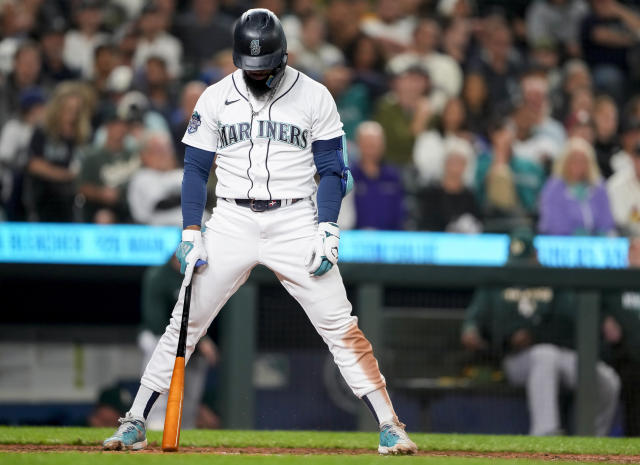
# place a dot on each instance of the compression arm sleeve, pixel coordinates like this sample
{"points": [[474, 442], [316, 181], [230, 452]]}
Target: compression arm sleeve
{"points": [[197, 165], [327, 155]]}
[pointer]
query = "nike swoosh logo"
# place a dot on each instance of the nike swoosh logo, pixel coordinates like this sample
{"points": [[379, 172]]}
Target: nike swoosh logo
{"points": [[229, 102]]}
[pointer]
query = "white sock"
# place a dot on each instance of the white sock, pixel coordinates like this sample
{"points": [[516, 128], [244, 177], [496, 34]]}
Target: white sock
{"points": [[145, 398], [380, 405]]}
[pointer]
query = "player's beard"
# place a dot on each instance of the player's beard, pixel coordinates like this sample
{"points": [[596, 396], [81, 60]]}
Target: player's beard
{"points": [[258, 87]]}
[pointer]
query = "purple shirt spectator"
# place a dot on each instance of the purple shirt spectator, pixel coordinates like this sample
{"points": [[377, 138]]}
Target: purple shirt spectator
{"points": [[561, 213], [379, 201]]}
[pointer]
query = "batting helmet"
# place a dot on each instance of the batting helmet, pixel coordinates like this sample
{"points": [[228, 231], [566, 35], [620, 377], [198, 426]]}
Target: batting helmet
{"points": [[259, 42]]}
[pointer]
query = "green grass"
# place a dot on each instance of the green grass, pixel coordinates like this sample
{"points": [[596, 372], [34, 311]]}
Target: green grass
{"points": [[322, 439], [301, 439]]}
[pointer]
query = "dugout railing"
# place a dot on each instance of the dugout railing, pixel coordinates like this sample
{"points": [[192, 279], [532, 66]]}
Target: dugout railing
{"points": [[238, 334]]}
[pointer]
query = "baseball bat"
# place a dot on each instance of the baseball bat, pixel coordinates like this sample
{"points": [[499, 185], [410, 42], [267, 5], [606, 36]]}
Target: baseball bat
{"points": [[173, 415]]}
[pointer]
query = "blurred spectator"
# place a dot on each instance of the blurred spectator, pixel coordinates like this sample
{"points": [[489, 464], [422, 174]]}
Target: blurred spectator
{"points": [[343, 23], [545, 57], [390, 26], [292, 20], [133, 107], [605, 118], [54, 68], [558, 21], [368, 65], [574, 201], [621, 331], [456, 40], [581, 105], [105, 61], [160, 288], [445, 73], [582, 126], [104, 174], [154, 191], [378, 191], [14, 152], [54, 152], [535, 95], [180, 119], [607, 35], [529, 143], [27, 64], [204, 31], [312, 54], [507, 186], [499, 63], [352, 98], [532, 330], [16, 24], [80, 43], [449, 205], [476, 99], [154, 40], [404, 112], [157, 85], [624, 193], [629, 146], [576, 77], [429, 150]]}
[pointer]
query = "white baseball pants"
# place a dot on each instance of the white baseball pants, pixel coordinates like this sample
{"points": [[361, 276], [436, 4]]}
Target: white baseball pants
{"points": [[236, 240], [542, 369], [195, 380]]}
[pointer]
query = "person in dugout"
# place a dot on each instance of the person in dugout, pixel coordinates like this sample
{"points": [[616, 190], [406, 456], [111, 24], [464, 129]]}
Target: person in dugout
{"points": [[532, 331]]}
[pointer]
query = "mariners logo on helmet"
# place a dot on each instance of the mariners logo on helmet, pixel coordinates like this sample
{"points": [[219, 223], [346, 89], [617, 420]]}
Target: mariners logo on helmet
{"points": [[255, 47], [194, 123]]}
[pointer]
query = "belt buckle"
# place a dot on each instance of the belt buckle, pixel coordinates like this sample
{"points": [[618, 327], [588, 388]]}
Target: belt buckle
{"points": [[257, 205]]}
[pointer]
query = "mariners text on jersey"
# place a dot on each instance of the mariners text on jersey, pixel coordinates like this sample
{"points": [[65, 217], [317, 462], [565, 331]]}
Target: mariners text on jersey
{"points": [[230, 134]]}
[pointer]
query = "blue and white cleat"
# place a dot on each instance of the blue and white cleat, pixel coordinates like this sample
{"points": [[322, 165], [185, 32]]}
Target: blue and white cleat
{"points": [[131, 435], [394, 440]]}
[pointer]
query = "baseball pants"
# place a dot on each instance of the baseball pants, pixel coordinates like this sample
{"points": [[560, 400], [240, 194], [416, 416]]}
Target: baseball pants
{"points": [[542, 369], [237, 239]]}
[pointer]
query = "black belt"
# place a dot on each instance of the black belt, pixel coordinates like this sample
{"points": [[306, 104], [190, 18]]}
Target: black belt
{"points": [[262, 205]]}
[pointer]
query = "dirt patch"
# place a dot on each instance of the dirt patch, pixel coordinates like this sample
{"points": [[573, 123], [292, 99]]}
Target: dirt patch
{"points": [[155, 449]]}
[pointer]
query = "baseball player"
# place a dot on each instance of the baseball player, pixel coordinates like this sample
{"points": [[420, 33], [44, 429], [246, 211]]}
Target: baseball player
{"points": [[270, 129]]}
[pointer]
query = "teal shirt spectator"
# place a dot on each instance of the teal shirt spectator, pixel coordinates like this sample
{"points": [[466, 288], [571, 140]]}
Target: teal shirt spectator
{"points": [[354, 107], [528, 178]]}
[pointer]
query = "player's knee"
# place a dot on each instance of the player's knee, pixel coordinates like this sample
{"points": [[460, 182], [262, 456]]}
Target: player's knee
{"points": [[545, 354], [608, 381]]}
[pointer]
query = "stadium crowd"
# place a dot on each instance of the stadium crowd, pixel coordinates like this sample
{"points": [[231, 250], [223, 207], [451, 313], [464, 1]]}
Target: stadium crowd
{"points": [[461, 115]]}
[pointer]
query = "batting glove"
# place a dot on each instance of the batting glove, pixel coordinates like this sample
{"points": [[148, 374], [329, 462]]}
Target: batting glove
{"points": [[191, 253], [324, 250]]}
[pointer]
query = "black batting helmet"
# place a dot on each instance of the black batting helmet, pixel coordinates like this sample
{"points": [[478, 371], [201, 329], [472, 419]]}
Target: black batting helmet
{"points": [[258, 41]]}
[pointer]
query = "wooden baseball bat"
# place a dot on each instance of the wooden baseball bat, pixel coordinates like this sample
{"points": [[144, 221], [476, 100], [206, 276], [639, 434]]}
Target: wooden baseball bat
{"points": [[173, 416]]}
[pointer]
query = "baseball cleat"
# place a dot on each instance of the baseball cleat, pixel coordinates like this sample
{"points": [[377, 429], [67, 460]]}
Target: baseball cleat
{"points": [[131, 435], [394, 440]]}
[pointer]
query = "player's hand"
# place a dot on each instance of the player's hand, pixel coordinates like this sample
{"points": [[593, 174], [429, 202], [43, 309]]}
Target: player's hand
{"points": [[324, 249], [611, 330], [191, 252], [472, 340]]}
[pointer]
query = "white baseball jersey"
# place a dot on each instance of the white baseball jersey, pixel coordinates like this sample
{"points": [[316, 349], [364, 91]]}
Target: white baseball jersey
{"points": [[266, 155]]}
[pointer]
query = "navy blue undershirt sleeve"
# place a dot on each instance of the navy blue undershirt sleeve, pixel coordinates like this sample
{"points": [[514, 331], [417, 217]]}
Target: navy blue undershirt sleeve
{"points": [[327, 155], [197, 165]]}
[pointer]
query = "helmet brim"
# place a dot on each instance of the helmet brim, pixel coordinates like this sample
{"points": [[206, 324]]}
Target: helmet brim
{"points": [[258, 63]]}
